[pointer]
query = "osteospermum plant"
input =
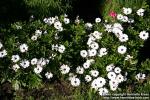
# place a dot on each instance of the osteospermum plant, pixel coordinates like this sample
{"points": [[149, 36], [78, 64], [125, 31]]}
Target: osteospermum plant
{"points": [[103, 54]]}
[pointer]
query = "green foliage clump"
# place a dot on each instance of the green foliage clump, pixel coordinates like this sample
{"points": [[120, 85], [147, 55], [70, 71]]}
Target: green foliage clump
{"points": [[42, 8]]}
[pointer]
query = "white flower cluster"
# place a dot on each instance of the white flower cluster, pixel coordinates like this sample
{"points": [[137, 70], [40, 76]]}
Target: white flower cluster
{"points": [[88, 63], [90, 74], [93, 46], [128, 11], [117, 29], [114, 75], [143, 34], [55, 21], [39, 63], [60, 48], [24, 63], [98, 84], [37, 34]]}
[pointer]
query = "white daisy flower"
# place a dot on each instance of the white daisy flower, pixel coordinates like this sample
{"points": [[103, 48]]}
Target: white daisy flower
{"points": [[57, 25], [114, 87], [125, 19], [98, 83], [90, 40], [23, 48], [122, 49], [119, 16], [79, 70], [66, 20], [90, 61], [71, 75], [102, 91], [77, 20], [51, 20], [113, 82], [75, 81], [108, 27], [118, 25], [48, 75], [61, 48], [98, 20], [88, 26], [117, 31], [101, 81], [45, 20], [127, 11], [38, 69], [94, 45], [15, 67], [140, 76], [1, 45], [110, 67], [128, 57], [60, 29], [120, 78], [88, 78], [123, 37], [117, 70], [92, 52], [41, 62], [34, 61], [130, 20], [83, 53], [86, 65], [102, 52], [111, 75], [97, 35], [38, 33], [55, 47], [15, 58], [144, 35], [95, 84], [3, 53], [140, 12], [143, 76], [34, 38], [25, 63], [64, 69], [52, 56], [94, 73]]}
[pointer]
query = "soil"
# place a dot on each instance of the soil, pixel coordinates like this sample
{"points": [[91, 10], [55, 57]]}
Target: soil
{"points": [[49, 91]]}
